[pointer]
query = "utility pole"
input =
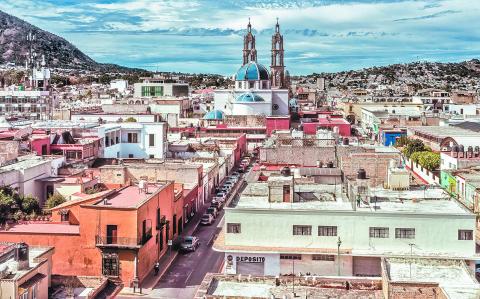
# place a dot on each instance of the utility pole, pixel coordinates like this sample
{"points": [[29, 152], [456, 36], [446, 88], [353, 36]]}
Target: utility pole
{"points": [[339, 242], [411, 255], [293, 278]]}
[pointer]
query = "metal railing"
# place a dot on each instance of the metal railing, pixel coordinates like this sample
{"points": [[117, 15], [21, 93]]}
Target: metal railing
{"points": [[118, 241]]}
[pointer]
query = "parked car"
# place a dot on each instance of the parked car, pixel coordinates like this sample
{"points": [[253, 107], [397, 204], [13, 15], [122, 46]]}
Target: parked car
{"points": [[207, 219], [221, 194], [225, 188], [234, 174], [229, 183], [219, 199], [189, 243], [212, 211], [216, 204]]}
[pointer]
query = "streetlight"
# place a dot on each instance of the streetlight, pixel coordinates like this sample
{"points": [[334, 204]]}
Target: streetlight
{"points": [[411, 254], [339, 242]]}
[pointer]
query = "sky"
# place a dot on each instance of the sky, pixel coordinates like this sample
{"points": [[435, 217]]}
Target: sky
{"points": [[205, 36]]}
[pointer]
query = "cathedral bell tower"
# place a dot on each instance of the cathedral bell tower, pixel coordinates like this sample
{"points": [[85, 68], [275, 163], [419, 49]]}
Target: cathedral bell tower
{"points": [[277, 67], [249, 51]]}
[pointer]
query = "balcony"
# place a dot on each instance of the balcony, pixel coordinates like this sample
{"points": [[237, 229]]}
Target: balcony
{"points": [[119, 242]]}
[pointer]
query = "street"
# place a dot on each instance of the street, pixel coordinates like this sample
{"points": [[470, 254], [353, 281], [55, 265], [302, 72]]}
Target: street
{"points": [[189, 269]]}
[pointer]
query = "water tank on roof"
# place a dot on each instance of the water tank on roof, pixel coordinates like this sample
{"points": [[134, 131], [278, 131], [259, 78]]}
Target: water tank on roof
{"points": [[330, 164], [346, 141], [361, 174], [470, 149], [477, 149], [461, 148], [455, 148], [21, 256], [286, 171]]}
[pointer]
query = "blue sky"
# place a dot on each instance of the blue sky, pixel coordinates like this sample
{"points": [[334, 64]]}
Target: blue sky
{"points": [[206, 35]]}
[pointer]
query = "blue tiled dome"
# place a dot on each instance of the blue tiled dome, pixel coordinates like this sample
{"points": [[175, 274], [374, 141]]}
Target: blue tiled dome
{"points": [[252, 71], [249, 97], [213, 115]]}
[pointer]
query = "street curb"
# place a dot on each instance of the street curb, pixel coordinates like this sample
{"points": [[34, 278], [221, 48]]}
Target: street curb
{"points": [[170, 262]]}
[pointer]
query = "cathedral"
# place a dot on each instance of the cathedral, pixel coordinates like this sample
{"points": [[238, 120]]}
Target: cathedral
{"points": [[257, 91]]}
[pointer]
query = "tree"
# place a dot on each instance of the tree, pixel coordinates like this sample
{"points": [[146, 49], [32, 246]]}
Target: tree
{"points": [[429, 160], [413, 146], [29, 205], [131, 120], [6, 204], [55, 199]]}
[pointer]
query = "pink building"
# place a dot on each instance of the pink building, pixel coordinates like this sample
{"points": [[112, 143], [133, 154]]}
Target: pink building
{"points": [[275, 123], [342, 125]]}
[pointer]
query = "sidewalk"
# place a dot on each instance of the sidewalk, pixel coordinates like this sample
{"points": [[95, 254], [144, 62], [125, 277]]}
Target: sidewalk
{"points": [[167, 259]]}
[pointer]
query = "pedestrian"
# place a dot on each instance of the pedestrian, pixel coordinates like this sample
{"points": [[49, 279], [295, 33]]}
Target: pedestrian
{"points": [[156, 268]]}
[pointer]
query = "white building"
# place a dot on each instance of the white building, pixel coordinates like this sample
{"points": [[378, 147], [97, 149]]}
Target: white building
{"points": [[134, 140], [120, 85], [159, 87], [281, 227]]}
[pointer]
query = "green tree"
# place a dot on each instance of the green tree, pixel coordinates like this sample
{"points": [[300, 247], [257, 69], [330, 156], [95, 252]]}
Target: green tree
{"points": [[429, 160], [6, 205], [29, 205], [413, 146], [131, 120], [55, 199]]}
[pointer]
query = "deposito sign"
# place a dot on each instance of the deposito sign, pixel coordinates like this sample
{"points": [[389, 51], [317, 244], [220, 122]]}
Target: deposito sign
{"points": [[250, 259]]}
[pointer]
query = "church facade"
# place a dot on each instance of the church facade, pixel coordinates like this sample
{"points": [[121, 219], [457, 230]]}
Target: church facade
{"points": [[258, 90]]}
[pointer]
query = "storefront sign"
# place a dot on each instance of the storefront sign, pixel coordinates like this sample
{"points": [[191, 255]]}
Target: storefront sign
{"points": [[250, 259]]}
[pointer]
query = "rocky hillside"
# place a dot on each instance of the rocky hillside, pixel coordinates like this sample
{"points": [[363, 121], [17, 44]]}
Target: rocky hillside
{"points": [[59, 52], [461, 75]]}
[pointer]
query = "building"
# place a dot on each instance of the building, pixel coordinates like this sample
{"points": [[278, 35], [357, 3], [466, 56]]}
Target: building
{"points": [[158, 86], [443, 138], [133, 140], [120, 85], [25, 271], [285, 224], [257, 90], [30, 104], [119, 233]]}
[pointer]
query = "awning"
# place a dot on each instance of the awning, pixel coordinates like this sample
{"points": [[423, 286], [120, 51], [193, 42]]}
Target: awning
{"points": [[31, 282]]}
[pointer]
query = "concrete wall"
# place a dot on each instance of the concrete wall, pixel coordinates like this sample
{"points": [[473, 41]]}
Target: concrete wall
{"points": [[263, 228]]}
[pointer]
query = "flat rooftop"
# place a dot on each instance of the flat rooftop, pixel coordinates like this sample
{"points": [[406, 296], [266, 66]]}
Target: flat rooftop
{"points": [[445, 131], [321, 197], [24, 162], [43, 228], [223, 286], [451, 275], [129, 197]]}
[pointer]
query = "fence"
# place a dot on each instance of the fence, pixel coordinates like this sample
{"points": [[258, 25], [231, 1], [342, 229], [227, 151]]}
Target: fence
{"points": [[426, 175]]}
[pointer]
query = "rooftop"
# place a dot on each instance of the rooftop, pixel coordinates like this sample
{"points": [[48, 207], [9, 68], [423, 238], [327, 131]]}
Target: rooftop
{"points": [[24, 162], [451, 275], [43, 228], [129, 197]]}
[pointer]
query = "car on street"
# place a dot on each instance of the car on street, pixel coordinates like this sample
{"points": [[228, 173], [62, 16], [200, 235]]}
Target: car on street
{"points": [[217, 205], [219, 199], [213, 211], [229, 183], [221, 194], [234, 174], [225, 188], [207, 219], [189, 243]]}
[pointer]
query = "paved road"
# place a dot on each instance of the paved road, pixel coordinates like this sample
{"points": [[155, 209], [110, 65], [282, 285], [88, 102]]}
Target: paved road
{"points": [[188, 270]]}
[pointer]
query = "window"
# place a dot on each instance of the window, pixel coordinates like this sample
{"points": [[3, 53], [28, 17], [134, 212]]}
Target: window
{"points": [[327, 231], [323, 257], [34, 291], [302, 230], [405, 233], [233, 228], [378, 232], [151, 139], [132, 137], [23, 296], [64, 216], [465, 234], [151, 156], [110, 264], [146, 230], [290, 256], [152, 91], [130, 155]]}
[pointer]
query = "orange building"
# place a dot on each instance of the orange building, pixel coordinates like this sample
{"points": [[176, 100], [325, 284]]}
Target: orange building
{"points": [[118, 233]]}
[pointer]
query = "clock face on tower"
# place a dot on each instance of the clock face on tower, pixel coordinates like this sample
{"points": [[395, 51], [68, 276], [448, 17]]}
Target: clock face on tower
{"points": [[275, 107]]}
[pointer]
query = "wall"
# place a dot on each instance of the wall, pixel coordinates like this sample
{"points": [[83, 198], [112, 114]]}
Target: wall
{"points": [[273, 228], [277, 123], [8, 151], [426, 175]]}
